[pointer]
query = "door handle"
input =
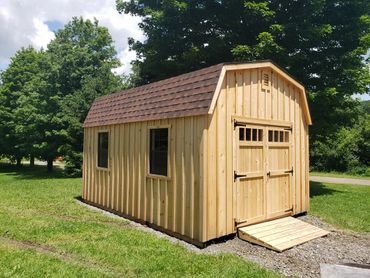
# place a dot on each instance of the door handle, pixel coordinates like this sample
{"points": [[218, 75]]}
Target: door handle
{"points": [[236, 176]]}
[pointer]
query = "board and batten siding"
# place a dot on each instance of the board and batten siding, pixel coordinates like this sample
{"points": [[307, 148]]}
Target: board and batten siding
{"points": [[173, 203], [197, 199], [242, 95]]}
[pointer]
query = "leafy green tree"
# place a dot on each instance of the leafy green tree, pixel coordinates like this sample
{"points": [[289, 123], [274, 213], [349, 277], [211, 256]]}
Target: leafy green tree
{"points": [[18, 98], [83, 57], [320, 42]]}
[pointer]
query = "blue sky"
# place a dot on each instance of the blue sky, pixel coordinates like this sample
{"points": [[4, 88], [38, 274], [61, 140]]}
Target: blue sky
{"points": [[54, 25]]}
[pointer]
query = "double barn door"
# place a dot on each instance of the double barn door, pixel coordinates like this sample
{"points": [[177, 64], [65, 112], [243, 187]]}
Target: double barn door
{"points": [[262, 172]]}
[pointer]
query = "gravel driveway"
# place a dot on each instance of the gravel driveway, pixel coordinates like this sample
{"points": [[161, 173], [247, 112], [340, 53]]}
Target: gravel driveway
{"points": [[304, 260], [340, 180]]}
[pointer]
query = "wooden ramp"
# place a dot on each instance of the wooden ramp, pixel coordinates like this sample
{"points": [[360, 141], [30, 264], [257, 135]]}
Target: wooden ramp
{"points": [[281, 234]]}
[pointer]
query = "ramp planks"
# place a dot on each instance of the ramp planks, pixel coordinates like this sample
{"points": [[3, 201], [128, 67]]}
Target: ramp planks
{"points": [[281, 234]]}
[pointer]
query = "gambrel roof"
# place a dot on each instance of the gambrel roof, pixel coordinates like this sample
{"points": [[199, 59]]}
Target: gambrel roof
{"points": [[189, 94]]}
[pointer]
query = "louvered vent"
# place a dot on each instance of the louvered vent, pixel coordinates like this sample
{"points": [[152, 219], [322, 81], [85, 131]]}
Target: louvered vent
{"points": [[266, 80]]}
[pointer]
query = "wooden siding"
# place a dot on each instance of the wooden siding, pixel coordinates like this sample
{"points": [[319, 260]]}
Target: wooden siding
{"points": [[174, 202], [243, 94], [198, 198]]}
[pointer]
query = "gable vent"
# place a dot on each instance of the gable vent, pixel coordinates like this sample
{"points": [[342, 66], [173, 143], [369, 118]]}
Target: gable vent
{"points": [[266, 80]]}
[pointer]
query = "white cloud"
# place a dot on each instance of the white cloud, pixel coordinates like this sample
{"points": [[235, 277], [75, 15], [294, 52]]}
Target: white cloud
{"points": [[42, 35], [22, 23], [125, 57]]}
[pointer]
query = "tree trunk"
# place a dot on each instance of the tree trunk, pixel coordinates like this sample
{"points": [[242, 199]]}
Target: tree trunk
{"points": [[19, 162], [32, 161], [50, 164]]}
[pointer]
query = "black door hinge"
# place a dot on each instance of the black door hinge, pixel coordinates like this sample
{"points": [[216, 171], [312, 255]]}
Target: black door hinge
{"points": [[289, 171], [236, 124], [236, 176], [289, 128]]}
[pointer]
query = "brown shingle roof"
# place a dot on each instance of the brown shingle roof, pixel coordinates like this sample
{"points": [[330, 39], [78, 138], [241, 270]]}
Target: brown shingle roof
{"points": [[184, 95]]}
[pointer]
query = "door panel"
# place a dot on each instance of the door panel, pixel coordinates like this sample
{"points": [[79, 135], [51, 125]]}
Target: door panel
{"points": [[249, 174], [262, 173], [279, 172]]}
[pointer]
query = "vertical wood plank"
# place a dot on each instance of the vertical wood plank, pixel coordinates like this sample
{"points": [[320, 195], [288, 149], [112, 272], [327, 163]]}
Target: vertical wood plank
{"points": [[221, 154], [203, 176], [247, 93], [212, 179], [254, 93], [239, 93], [232, 96]]}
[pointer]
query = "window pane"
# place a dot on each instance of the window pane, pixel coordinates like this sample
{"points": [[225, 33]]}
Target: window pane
{"points": [[103, 149], [254, 138], [276, 136], [260, 135], [241, 134], [247, 134], [287, 136], [281, 136], [158, 151], [270, 136]]}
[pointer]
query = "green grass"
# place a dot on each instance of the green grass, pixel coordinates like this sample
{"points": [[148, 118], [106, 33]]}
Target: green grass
{"points": [[339, 175], [44, 232], [344, 206]]}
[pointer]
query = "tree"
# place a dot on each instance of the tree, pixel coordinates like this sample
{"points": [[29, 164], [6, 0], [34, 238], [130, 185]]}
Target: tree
{"points": [[18, 104], [83, 56], [320, 42]]}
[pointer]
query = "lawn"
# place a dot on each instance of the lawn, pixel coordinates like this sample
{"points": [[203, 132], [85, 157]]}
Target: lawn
{"points": [[339, 175], [344, 206], [44, 232]]}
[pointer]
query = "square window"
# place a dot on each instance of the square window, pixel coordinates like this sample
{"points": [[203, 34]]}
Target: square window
{"points": [[158, 153], [103, 149]]}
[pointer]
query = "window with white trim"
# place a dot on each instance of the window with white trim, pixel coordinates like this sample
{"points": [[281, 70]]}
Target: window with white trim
{"points": [[158, 151]]}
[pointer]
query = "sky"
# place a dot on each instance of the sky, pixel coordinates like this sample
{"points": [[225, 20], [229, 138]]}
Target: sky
{"points": [[26, 22]]}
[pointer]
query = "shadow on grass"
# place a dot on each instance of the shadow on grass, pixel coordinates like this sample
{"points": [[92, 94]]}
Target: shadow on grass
{"points": [[319, 189], [27, 172]]}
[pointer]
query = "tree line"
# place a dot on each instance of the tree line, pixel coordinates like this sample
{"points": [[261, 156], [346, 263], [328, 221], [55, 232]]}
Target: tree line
{"points": [[45, 95]]}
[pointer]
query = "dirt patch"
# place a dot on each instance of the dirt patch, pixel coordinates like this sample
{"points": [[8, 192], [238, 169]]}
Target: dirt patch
{"points": [[304, 260]]}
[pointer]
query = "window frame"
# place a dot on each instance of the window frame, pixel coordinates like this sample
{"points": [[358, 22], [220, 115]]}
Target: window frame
{"points": [[97, 150], [149, 174]]}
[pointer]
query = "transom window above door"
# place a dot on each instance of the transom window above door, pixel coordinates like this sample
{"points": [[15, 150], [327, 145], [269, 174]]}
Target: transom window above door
{"points": [[279, 136], [248, 134]]}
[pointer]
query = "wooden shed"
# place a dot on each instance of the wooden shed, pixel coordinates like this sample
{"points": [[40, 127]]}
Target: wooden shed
{"points": [[201, 154]]}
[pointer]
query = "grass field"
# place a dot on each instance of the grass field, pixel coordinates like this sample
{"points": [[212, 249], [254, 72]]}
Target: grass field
{"points": [[344, 206], [339, 175], [44, 232]]}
